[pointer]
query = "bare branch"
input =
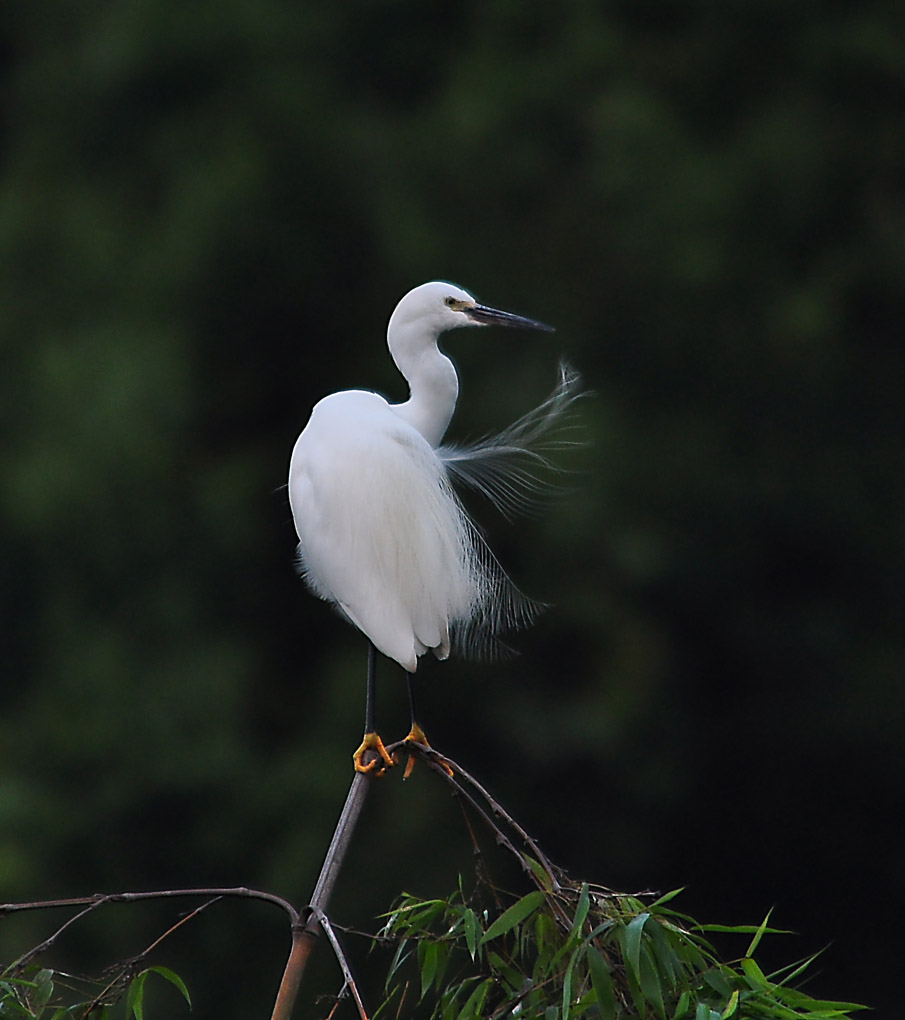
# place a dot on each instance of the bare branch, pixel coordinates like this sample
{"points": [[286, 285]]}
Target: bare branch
{"points": [[343, 963], [304, 935], [99, 899], [42, 947]]}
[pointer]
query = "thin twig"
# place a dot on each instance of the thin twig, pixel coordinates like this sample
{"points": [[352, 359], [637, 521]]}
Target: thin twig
{"points": [[98, 899], [343, 963], [26, 958], [482, 870], [129, 967], [182, 920]]}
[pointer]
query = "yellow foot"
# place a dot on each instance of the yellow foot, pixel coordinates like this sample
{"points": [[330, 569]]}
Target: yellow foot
{"points": [[383, 761], [416, 736]]}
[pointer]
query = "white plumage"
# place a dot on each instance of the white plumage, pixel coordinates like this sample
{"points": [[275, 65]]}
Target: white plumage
{"points": [[382, 534]]}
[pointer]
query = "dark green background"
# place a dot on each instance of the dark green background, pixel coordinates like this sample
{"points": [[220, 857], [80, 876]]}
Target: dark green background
{"points": [[207, 213]]}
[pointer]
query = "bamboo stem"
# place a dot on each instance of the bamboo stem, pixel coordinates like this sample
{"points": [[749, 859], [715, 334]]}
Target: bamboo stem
{"points": [[305, 934]]}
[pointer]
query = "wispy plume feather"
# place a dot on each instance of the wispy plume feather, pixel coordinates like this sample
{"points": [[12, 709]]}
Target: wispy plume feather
{"points": [[513, 468]]}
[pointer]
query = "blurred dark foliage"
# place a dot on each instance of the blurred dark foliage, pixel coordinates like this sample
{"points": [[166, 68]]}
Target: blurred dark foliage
{"points": [[207, 213]]}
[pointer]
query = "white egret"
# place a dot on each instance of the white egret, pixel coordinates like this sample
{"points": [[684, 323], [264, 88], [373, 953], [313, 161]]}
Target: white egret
{"points": [[382, 534]]}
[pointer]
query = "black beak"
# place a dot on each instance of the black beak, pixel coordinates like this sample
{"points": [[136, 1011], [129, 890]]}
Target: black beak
{"points": [[494, 317]]}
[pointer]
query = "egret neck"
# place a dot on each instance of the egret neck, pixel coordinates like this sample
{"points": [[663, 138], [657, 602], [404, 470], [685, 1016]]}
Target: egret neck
{"points": [[432, 379]]}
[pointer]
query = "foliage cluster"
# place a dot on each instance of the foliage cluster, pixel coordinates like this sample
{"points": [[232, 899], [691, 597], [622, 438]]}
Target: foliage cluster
{"points": [[581, 952], [33, 992]]}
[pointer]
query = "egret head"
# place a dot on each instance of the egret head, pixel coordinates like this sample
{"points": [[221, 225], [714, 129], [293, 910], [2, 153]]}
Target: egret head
{"points": [[438, 306]]}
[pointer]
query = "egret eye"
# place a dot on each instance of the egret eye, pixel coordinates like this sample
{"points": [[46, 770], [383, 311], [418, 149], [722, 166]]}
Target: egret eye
{"points": [[452, 302]]}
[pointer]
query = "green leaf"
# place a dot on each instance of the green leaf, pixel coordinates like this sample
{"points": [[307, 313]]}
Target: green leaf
{"points": [[633, 933], [796, 969], [567, 987], [546, 937], [471, 931], [581, 912], [717, 981], [742, 929], [514, 915], [513, 978], [664, 954], [135, 998], [412, 903], [539, 872], [475, 1002], [43, 987], [602, 983], [12, 1005], [174, 979], [756, 977], [731, 1006], [428, 954], [666, 897], [650, 982], [682, 1005], [759, 934]]}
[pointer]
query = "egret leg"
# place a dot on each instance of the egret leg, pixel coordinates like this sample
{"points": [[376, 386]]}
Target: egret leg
{"points": [[371, 741], [416, 734]]}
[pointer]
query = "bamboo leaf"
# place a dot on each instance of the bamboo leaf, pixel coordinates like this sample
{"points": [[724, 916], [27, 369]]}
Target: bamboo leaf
{"points": [[567, 987], [715, 978], [602, 983], [475, 1002], [682, 1005], [664, 954], [759, 934], [514, 915], [399, 958], [471, 931], [799, 968], [512, 977], [428, 954], [135, 999], [731, 1006], [633, 933], [43, 986], [650, 982], [756, 977], [581, 912], [742, 929], [666, 897], [14, 1007], [174, 979], [539, 872]]}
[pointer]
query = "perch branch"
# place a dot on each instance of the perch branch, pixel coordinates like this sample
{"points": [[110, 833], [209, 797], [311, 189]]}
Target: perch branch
{"points": [[305, 933]]}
